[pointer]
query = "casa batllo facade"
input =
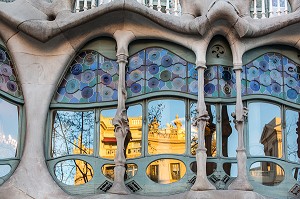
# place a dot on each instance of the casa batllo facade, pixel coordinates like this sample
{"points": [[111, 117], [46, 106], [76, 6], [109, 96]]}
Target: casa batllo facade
{"points": [[149, 99]]}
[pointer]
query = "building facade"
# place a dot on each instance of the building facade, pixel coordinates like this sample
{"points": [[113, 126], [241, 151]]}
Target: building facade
{"points": [[149, 98]]}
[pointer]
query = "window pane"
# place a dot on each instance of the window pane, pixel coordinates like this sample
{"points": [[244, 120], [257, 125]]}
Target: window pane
{"points": [[166, 127], [72, 133], [229, 133], [265, 134], [210, 131], [4, 170], [267, 173], [292, 131], [210, 167], [73, 172], [230, 169], [9, 115], [108, 141], [166, 171], [133, 141], [108, 171], [296, 174]]}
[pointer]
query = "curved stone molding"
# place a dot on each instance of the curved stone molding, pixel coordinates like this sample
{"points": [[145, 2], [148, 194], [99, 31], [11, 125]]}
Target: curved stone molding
{"points": [[48, 20]]}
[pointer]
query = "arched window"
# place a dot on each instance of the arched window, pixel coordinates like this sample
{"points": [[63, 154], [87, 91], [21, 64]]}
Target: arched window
{"points": [[11, 117]]}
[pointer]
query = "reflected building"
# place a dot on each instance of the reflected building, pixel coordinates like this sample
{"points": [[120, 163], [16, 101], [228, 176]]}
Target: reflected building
{"points": [[269, 173], [170, 139]]}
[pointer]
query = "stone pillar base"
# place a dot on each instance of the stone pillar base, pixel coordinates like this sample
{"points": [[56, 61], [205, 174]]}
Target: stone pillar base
{"points": [[202, 182], [241, 182], [118, 186]]}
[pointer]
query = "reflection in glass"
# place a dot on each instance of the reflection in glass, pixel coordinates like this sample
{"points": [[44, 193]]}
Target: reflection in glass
{"points": [[210, 131], [265, 134], [108, 171], [108, 141], [229, 133], [4, 170], [230, 169], [133, 141], [210, 167], [292, 131], [72, 133], [73, 172], [296, 174], [166, 127], [166, 171], [267, 173], [9, 115]]}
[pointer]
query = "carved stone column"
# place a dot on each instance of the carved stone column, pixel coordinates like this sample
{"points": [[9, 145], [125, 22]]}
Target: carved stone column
{"points": [[200, 121], [121, 124], [241, 182]]}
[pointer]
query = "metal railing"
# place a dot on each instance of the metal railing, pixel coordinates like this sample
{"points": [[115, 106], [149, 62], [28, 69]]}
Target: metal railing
{"points": [[165, 6], [261, 9]]}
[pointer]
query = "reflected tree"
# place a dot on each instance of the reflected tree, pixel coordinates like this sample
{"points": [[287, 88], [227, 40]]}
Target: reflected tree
{"points": [[72, 133]]}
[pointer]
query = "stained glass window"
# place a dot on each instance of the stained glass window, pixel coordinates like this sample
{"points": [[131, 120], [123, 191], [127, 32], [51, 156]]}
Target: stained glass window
{"points": [[90, 78], [8, 78]]}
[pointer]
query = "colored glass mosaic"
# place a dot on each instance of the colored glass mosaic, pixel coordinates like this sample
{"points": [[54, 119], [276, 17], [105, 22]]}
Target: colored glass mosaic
{"points": [[211, 81], [264, 75], [272, 74], [227, 82], [8, 77], [90, 78], [291, 80], [165, 71]]}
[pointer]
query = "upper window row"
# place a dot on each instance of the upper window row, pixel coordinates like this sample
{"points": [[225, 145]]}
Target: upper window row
{"points": [[93, 78]]}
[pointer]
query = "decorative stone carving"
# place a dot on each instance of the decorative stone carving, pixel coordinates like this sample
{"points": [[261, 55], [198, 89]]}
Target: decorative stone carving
{"points": [[241, 182], [121, 124], [200, 121]]}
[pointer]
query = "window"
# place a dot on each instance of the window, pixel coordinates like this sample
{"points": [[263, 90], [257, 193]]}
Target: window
{"points": [[11, 117], [162, 143]]}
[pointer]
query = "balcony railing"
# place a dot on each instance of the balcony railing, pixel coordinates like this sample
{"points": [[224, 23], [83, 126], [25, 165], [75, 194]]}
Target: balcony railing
{"points": [[261, 9], [165, 6]]}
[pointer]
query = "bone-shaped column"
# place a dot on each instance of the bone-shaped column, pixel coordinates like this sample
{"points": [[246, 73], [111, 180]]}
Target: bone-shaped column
{"points": [[120, 121], [241, 182], [200, 121]]}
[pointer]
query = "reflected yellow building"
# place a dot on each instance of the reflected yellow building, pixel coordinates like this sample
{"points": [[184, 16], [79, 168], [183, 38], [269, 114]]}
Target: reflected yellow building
{"points": [[169, 139]]}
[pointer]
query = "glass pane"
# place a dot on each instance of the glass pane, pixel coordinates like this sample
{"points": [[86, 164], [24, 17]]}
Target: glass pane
{"points": [[210, 167], [267, 173], [4, 170], [166, 171], [166, 127], [292, 132], [108, 141], [73, 172], [133, 141], [296, 174], [210, 131], [230, 169], [9, 118], [108, 171], [72, 132], [265, 134], [229, 133]]}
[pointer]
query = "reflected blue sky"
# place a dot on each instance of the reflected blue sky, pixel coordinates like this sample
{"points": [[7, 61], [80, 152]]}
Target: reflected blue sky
{"points": [[292, 118], [259, 115], [8, 129]]}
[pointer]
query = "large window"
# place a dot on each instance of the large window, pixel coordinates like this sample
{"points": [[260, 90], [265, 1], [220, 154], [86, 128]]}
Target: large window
{"points": [[162, 143]]}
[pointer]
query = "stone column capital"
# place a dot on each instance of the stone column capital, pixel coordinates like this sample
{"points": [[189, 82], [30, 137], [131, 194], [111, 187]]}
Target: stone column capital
{"points": [[203, 66], [122, 58]]}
